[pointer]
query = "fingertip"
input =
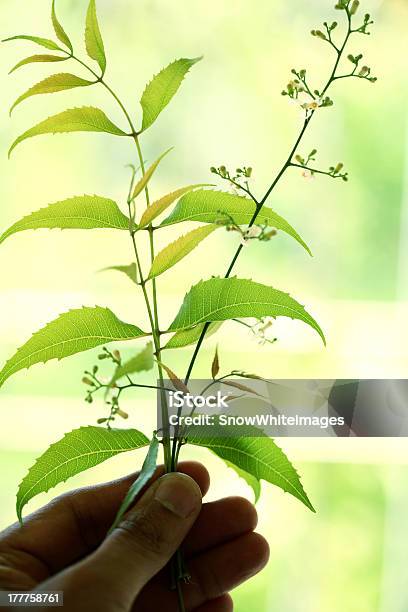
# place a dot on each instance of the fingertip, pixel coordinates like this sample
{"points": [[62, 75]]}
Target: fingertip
{"points": [[260, 551], [198, 472]]}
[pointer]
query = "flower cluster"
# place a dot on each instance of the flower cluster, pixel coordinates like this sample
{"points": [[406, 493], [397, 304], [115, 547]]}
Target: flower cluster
{"points": [[239, 180], [299, 91], [112, 391], [308, 172]]}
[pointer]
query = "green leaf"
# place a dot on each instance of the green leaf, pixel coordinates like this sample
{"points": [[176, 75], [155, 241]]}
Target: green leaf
{"points": [[33, 59], [148, 175], [147, 471], [80, 212], [251, 480], [177, 250], [43, 42], [158, 207], [130, 271], [259, 457], [85, 119], [162, 88], [93, 38], [220, 299], [76, 452], [72, 332], [208, 207], [59, 30], [142, 362], [53, 84], [187, 337]]}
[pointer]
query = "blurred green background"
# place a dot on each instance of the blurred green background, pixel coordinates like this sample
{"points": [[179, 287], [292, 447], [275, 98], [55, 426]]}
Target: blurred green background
{"points": [[352, 555]]}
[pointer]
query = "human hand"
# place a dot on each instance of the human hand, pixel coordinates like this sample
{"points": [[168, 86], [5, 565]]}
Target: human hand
{"points": [[63, 546]]}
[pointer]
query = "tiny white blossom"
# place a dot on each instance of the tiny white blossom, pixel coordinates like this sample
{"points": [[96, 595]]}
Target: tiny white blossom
{"points": [[253, 232], [308, 174]]}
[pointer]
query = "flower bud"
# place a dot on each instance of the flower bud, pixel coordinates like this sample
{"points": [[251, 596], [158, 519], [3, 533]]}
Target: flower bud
{"points": [[122, 414], [88, 381], [101, 421], [354, 7], [213, 170], [116, 355], [364, 71], [338, 168]]}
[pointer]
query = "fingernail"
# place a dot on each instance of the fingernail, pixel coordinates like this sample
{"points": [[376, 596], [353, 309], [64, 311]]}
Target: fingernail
{"points": [[179, 494]]}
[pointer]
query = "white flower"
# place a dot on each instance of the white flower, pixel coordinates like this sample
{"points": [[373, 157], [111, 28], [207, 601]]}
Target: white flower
{"points": [[308, 174], [253, 232]]}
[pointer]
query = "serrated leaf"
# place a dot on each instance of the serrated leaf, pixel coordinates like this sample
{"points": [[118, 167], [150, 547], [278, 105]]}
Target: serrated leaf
{"points": [[187, 337], [147, 471], [80, 212], [93, 38], [258, 456], [142, 362], [130, 271], [208, 206], [59, 30], [220, 299], [251, 480], [180, 248], [73, 332], [43, 42], [158, 207], [33, 59], [85, 119], [241, 387], [76, 452], [162, 88], [53, 84], [148, 175]]}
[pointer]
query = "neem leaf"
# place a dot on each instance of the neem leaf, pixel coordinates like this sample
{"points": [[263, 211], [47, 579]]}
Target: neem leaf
{"points": [[162, 88], [33, 59], [177, 250], [59, 30], [220, 299], [93, 38], [187, 337], [258, 456], [72, 332], [76, 452], [207, 206], [43, 42], [158, 207], [85, 119], [53, 84], [142, 362], [80, 212], [130, 271], [251, 480], [148, 175], [147, 471]]}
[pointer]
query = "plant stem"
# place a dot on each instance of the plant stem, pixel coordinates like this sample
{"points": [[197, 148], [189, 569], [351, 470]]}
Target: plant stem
{"points": [[285, 166], [152, 314]]}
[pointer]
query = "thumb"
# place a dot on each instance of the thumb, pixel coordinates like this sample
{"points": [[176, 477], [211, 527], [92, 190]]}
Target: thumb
{"points": [[142, 543]]}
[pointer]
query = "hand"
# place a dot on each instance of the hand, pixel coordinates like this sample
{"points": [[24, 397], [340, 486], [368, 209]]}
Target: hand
{"points": [[63, 547]]}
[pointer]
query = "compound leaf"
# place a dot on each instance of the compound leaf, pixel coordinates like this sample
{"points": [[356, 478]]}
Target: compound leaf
{"points": [[177, 250], [158, 207], [220, 299], [258, 456], [147, 471], [80, 212], [142, 362], [208, 206], [85, 119], [162, 88], [43, 42], [33, 59], [73, 332], [53, 84], [59, 30], [76, 452], [93, 38], [142, 184]]}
